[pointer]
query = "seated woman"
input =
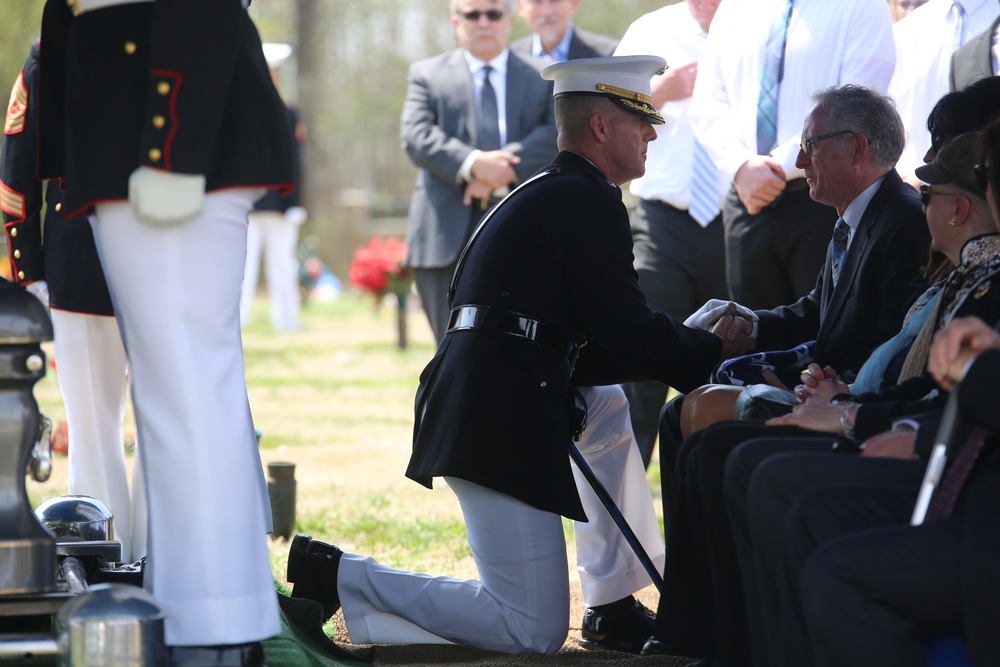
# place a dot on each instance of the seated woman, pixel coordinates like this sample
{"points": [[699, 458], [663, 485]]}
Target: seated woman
{"points": [[716, 402]]}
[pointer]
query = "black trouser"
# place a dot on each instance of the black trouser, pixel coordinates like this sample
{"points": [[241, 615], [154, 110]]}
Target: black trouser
{"points": [[702, 609], [681, 265], [772, 258]]}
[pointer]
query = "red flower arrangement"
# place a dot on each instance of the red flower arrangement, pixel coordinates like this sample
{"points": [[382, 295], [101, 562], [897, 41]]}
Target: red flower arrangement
{"points": [[378, 268]]}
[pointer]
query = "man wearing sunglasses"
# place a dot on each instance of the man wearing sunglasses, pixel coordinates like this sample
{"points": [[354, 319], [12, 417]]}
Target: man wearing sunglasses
{"points": [[477, 120]]}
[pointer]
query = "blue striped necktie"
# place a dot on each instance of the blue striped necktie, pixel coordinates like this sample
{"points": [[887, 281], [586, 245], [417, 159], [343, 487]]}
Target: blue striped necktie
{"points": [[771, 75], [704, 186]]}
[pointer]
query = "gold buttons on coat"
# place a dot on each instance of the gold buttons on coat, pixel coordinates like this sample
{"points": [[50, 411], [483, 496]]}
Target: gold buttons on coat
{"points": [[17, 254], [130, 48], [155, 154], [159, 122], [13, 232], [58, 207], [543, 384], [163, 88], [20, 275]]}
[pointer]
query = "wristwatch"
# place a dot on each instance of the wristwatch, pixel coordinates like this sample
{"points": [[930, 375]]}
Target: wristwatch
{"points": [[848, 414]]}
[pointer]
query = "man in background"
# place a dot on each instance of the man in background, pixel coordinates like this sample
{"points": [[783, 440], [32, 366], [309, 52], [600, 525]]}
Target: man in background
{"points": [[273, 225], [925, 41], [762, 60], [554, 37], [978, 59], [477, 120]]}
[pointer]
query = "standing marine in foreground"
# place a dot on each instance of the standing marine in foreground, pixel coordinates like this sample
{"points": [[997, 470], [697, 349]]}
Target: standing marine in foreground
{"points": [[161, 119]]}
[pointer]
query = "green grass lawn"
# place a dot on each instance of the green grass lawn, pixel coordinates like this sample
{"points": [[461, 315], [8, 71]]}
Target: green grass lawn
{"points": [[337, 400]]}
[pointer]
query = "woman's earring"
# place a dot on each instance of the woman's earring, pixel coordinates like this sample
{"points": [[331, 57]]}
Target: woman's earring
{"points": [[951, 223]]}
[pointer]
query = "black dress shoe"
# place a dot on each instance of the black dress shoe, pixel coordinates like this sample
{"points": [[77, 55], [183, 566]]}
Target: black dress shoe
{"points": [[312, 567], [625, 632], [230, 655], [657, 647]]}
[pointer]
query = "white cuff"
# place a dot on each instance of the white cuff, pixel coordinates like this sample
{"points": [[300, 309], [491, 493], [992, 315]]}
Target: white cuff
{"points": [[465, 171]]}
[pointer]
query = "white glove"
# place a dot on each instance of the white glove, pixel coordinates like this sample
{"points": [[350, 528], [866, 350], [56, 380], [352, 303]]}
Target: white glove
{"points": [[163, 198], [296, 215], [706, 316], [40, 290]]}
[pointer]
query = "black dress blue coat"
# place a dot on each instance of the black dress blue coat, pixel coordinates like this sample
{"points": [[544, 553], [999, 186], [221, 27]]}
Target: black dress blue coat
{"points": [[492, 408]]}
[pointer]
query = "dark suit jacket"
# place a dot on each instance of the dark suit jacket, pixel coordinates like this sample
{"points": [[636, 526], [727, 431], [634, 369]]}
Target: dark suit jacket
{"points": [[582, 44], [176, 85], [68, 259], [977, 509], [491, 407], [974, 61], [878, 283], [439, 130]]}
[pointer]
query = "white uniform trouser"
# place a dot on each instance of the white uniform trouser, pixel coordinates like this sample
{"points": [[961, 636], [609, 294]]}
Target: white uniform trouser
{"points": [[609, 568], [269, 232], [520, 604], [176, 292], [93, 379]]}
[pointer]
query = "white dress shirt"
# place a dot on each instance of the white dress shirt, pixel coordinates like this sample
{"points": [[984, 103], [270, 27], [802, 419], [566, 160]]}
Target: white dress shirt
{"points": [[925, 40], [829, 43], [671, 33], [560, 53]]}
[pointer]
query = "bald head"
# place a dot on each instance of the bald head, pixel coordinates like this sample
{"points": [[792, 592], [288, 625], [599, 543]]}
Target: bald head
{"points": [[573, 115]]}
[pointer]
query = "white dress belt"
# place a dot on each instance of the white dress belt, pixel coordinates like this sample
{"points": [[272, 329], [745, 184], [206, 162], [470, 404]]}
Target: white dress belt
{"points": [[81, 6]]}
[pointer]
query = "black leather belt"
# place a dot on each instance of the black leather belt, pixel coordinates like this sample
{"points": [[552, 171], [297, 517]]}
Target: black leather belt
{"points": [[466, 318]]}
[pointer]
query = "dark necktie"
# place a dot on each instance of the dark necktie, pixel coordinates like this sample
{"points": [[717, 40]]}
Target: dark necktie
{"points": [[838, 248], [946, 493], [771, 74], [489, 116]]}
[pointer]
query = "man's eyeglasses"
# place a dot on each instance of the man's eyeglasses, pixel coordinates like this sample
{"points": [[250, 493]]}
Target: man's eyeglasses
{"points": [[807, 142], [475, 14], [926, 193], [982, 176]]}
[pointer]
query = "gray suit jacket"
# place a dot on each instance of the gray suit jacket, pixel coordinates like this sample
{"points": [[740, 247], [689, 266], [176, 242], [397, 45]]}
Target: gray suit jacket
{"points": [[439, 130], [583, 44], [974, 61]]}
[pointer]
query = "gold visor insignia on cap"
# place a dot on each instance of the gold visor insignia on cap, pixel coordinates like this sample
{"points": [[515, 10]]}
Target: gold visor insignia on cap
{"points": [[624, 92]]}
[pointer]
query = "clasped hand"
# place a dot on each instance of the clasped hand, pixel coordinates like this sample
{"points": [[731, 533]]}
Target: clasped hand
{"points": [[490, 170], [956, 345], [735, 334]]}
